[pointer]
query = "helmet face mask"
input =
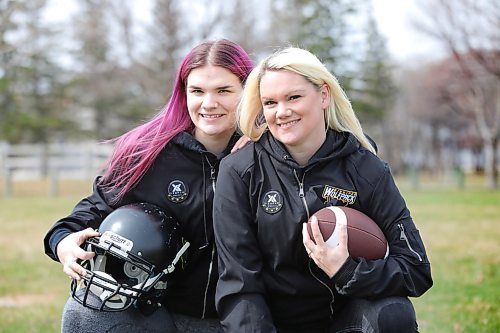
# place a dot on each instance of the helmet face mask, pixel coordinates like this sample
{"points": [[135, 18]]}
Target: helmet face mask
{"points": [[139, 245]]}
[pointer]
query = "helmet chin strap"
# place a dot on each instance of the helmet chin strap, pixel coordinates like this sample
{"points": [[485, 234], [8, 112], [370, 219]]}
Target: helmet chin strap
{"points": [[170, 268], [98, 264]]}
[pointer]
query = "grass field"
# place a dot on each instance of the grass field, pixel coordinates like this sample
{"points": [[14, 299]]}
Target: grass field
{"points": [[461, 230]]}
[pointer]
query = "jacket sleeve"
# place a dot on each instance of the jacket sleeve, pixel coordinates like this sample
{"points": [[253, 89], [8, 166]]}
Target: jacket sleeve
{"points": [[240, 293], [89, 212], [406, 270]]}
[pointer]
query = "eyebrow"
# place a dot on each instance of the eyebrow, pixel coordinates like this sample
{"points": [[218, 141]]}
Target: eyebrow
{"points": [[290, 93], [217, 88]]}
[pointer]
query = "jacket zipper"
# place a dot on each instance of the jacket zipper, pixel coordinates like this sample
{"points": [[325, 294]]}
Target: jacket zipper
{"points": [[212, 180], [208, 283], [301, 191], [325, 285], [212, 173], [303, 198], [403, 237]]}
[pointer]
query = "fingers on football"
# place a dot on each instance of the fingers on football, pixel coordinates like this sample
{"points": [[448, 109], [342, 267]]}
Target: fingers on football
{"points": [[343, 236], [318, 238], [306, 240]]}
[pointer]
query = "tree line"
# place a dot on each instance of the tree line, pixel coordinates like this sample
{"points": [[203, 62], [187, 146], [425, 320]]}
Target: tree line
{"points": [[105, 70]]}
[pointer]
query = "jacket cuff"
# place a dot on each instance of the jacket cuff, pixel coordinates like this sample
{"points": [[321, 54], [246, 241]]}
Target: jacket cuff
{"points": [[345, 273], [54, 241]]}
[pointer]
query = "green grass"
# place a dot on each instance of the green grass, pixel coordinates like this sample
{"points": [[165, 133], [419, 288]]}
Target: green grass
{"points": [[461, 230]]}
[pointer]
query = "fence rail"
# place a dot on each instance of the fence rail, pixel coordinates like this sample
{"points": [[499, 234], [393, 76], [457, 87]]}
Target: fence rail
{"points": [[76, 161]]}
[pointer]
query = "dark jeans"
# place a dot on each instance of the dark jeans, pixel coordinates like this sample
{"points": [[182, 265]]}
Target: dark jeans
{"points": [[79, 319], [387, 315]]}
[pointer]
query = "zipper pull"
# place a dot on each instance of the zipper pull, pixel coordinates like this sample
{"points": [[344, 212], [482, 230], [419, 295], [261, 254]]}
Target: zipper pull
{"points": [[212, 177], [402, 235], [301, 190]]}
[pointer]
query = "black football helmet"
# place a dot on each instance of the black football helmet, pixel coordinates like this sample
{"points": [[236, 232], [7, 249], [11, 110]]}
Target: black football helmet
{"points": [[139, 244]]}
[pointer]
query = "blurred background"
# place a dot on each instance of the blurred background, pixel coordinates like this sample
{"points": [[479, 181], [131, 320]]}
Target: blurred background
{"points": [[422, 75]]}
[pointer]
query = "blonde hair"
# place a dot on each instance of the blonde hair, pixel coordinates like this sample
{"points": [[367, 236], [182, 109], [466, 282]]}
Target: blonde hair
{"points": [[339, 116]]}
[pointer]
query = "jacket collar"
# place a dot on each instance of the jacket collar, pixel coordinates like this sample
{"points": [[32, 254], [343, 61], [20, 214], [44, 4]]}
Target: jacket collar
{"points": [[187, 140], [336, 145]]}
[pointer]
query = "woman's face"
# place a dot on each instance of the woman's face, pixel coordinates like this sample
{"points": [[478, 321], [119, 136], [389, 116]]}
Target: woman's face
{"points": [[294, 109], [213, 93]]}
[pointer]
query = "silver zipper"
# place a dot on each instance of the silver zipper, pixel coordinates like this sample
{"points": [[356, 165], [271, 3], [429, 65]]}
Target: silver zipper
{"points": [[402, 236], [212, 172], [324, 284], [208, 284], [301, 191], [212, 177], [212, 180], [303, 198]]}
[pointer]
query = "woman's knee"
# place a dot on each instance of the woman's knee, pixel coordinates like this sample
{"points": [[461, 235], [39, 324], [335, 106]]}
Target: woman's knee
{"points": [[396, 314], [387, 315]]}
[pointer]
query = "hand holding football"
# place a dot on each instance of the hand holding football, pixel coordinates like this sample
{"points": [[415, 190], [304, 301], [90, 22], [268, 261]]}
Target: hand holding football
{"points": [[365, 239]]}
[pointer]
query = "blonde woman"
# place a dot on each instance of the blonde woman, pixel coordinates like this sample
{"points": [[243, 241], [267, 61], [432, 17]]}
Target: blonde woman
{"points": [[309, 151]]}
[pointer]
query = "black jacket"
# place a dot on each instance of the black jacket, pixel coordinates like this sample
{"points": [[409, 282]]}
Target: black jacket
{"points": [[183, 160], [263, 196]]}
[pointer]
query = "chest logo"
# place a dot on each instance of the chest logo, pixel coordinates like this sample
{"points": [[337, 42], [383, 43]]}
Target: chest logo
{"points": [[177, 191], [272, 202], [331, 193]]}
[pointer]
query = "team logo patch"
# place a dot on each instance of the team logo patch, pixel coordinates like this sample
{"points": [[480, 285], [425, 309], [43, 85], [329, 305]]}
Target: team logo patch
{"points": [[177, 191], [331, 193], [272, 202]]}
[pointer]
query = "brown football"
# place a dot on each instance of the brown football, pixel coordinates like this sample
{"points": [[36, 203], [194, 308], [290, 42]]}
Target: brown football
{"points": [[364, 237]]}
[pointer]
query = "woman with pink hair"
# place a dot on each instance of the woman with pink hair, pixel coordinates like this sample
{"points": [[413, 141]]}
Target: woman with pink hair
{"points": [[171, 162]]}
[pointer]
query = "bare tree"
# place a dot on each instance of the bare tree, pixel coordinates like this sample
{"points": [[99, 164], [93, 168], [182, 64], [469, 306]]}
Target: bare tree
{"points": [[7, 68], [470, 30]]}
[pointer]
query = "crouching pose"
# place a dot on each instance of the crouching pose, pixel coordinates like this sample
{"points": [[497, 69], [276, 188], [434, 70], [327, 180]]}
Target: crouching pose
{"points": [[309, 151], [171, 162]]}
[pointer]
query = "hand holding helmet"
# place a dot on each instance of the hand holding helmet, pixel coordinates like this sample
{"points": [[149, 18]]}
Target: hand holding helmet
{"points": [[69, 251], [138, 246]]}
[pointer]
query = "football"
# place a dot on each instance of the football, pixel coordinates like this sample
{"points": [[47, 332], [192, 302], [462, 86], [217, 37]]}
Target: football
{"points": [[364, 237]]}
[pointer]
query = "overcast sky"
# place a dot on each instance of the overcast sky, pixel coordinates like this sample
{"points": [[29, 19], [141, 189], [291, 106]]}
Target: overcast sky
{"points": [[393, 18], [404, 42]]}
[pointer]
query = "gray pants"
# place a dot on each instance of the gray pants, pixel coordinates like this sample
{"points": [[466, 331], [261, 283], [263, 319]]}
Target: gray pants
{"points": [[79, 319]]}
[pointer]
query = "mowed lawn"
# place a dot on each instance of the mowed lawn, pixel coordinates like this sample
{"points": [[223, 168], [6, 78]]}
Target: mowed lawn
{"points": [[461, 230]]}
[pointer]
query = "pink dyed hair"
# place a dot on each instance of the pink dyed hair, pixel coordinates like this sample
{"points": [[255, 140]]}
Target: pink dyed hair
{"points": [[136, 150]]}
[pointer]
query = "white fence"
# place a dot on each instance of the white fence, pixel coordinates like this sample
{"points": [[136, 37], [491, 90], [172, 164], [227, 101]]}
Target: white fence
{"points": [[52, 161]]}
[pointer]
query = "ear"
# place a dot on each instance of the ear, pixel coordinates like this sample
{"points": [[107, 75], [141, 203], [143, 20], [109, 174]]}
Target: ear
{"points": [[325, 96]]}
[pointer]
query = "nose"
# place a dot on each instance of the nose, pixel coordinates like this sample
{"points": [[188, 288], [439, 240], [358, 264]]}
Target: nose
{"points": [[282, 111], [209, 102]]}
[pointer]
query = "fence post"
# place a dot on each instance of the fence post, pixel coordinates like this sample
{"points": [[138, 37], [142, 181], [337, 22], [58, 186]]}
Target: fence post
{"points": [[9, 174], [53, 182]]}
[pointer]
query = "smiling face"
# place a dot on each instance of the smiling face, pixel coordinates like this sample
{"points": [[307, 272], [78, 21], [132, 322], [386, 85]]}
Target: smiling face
{"points": [[293, 108], [213, 93]]}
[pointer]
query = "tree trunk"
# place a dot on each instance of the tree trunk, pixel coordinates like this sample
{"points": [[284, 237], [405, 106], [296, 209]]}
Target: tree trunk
{"points": [[491, 171]]}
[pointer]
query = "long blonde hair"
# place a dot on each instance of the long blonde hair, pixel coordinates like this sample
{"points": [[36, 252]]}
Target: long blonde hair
{"points": [[339, 116]]}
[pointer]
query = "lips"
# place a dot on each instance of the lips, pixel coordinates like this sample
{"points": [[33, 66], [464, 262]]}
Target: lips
{"points": [[288, 124], [211, 116]]}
